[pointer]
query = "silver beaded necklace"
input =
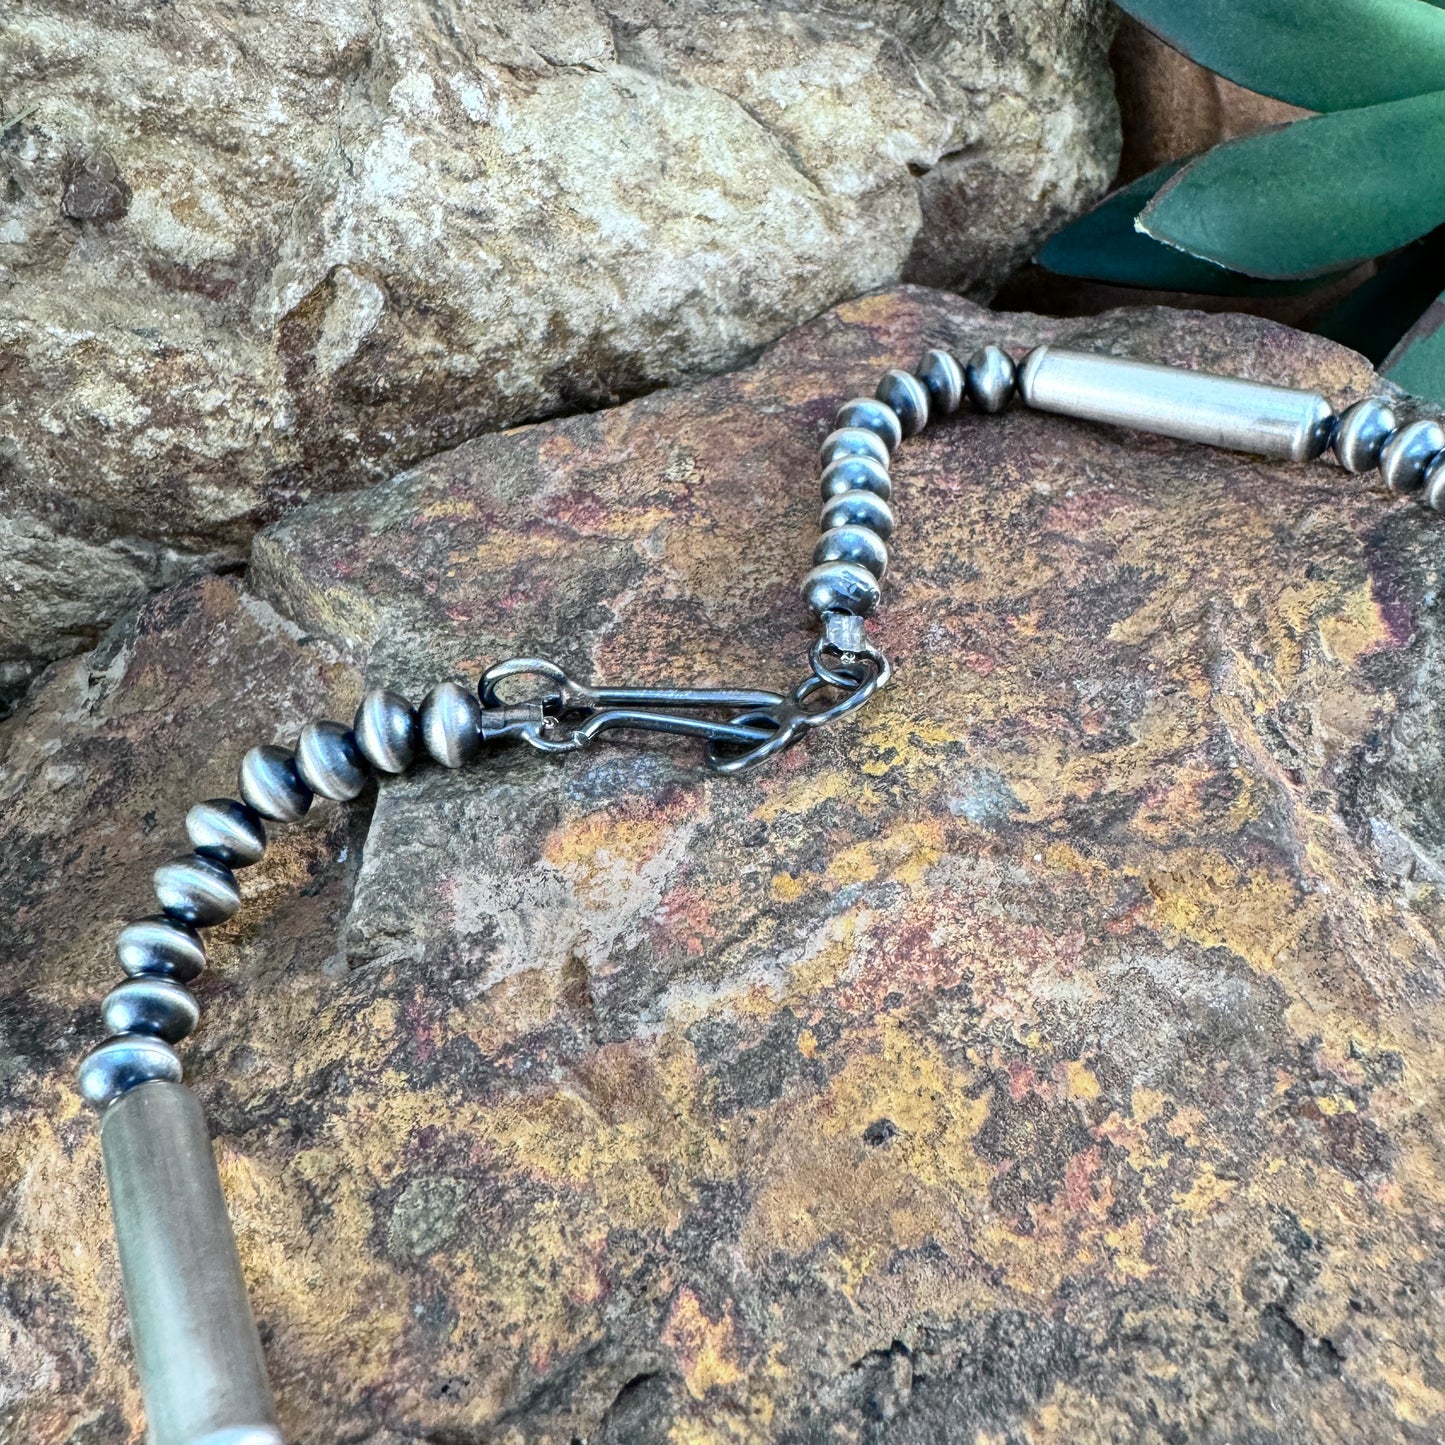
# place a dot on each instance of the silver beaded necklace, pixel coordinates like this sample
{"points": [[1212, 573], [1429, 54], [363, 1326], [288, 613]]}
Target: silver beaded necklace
{"points": [[198, 1356]]}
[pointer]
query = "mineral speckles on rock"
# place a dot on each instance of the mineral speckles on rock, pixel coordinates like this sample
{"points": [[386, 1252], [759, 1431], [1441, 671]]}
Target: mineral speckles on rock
{"points": [[359, 233], [1047, 1053]]}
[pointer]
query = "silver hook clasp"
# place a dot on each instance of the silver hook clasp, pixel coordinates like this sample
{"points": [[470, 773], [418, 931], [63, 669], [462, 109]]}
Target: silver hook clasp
{"points": [[564, 714]]}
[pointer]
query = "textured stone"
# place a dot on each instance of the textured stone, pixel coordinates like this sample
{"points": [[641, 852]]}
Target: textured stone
{"points": [[252, 255], [1048, 1054]]}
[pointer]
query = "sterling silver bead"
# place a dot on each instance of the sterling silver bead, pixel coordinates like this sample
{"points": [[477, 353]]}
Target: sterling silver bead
{"points": [[863, 509], [160, 947], [908, 397], [228, 831], [271, 784], [197, 890], [860, 545], [1409, 452], [329, 761], [943, 376], [872, 415], [1434, 483], [1361, 434], [386, 731], [989, 379], [122, 1063], [841, 587], [853, 441], [851, 474], [151, 1006], [451, 724]]}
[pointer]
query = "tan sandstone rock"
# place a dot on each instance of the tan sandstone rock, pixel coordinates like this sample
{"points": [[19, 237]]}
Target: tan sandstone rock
{"points": [[1049, 1054], [250, 255]]}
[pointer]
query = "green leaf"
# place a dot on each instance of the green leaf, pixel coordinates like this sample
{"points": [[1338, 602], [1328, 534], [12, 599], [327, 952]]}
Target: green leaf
{"points": [[1321, 54], [1316, 196], [1104, 245], [1377, 313], [1418, 362]]}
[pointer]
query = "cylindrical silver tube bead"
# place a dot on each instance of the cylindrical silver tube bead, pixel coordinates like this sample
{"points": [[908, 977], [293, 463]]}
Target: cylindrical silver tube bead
{"points": [[1194, 406], [196, 1349]]}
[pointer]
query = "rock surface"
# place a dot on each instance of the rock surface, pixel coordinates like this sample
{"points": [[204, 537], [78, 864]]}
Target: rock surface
{"points": [[252, 255], [1049, 1054]]}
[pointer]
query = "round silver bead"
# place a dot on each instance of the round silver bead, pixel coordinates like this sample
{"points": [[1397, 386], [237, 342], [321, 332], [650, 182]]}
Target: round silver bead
{"points": [[197, 890], [1361, 434], [271, 784], [872, 415], [329, 761], [160, 947], [841, 587], [228, 831], [851, 474], [1409, 452], [451, 724], [386, 731], [989, 379], [1434, 484], [853, 441], [860, 545], [123, 1063], [908, 397], [151, 1006], [940, 372], [861, 509]]}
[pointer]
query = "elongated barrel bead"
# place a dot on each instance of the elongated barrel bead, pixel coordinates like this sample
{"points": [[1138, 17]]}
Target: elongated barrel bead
{"points": [[196, 1350], [1220, 411]]}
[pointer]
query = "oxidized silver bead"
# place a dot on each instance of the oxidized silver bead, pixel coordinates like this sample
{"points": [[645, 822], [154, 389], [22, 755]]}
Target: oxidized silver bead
{"points": [[851, 474], [1434, 483], [908, 397], [863, 509], [940, 372], [872, 415], [1362, 432], [1409, 452], [841, 587], [853, 441], [860, 545], [160, 947], [151, 1006], [386, 731], [989, 379], [228, 831], [123, 1063], [197, 890], [451, 724], [329, 761], [271, 784]]}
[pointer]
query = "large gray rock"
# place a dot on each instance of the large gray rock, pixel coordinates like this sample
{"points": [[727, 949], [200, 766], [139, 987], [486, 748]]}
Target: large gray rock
{"points": [[252, 254], [1048, 1053]]}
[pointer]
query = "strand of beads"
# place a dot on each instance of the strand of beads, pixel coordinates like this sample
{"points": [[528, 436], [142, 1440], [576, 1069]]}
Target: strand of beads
{"points": [[857, 518], [153, 1009]]}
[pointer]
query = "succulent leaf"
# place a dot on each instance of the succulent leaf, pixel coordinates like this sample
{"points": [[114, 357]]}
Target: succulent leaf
{"points": [[1104, 245], [1376, 314], [1323, 55], [1312, 197], [1418, 362]]}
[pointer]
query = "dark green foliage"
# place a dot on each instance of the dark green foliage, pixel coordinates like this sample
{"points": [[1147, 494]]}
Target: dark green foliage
{"points": [[1282, 210]]}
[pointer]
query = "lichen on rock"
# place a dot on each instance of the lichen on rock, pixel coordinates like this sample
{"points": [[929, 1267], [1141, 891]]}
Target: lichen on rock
{"points": [[1048, 1053]]}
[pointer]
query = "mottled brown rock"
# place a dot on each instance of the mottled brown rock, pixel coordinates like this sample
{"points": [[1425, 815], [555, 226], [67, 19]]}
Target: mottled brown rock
{"points": [[252, 255], [1050, 1054]]}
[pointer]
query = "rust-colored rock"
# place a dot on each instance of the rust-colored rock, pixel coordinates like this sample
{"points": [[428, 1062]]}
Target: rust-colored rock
{"points": [[1050, 1054]]}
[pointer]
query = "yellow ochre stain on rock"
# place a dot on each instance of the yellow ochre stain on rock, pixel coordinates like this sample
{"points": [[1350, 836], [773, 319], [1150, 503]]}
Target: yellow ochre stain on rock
{"points": [[704, 1347]]}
